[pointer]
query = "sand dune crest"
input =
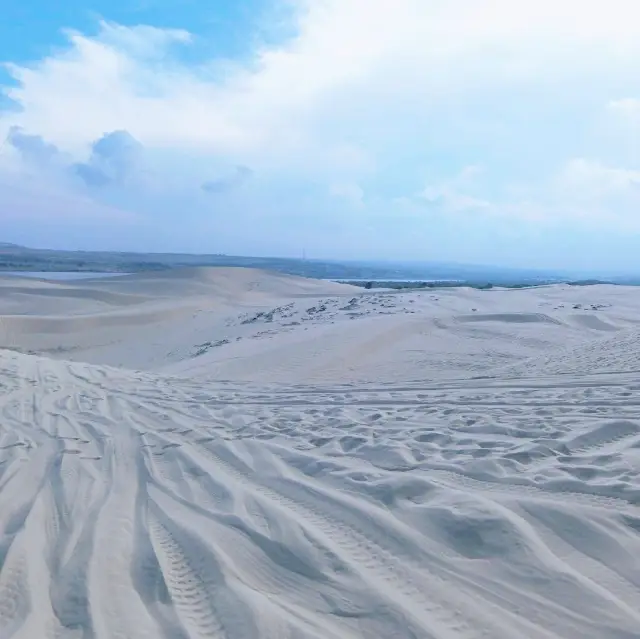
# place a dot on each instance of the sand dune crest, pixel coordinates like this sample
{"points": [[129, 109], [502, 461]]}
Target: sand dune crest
{"points": [[346, 465]]}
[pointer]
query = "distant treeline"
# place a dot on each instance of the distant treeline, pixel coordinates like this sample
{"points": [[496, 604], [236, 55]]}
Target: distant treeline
{"points": [[45, 260], [410, 284], [78, 266], [482, 286], [378, 274]]}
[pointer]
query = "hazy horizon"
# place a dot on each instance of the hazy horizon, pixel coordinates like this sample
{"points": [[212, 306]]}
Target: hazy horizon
{"points": [[410, 268], [390, 130]]}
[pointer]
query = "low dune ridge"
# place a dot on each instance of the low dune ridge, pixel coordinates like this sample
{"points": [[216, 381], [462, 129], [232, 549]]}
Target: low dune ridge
{"points": [[232, 453], [223, 283], [226, 282]]}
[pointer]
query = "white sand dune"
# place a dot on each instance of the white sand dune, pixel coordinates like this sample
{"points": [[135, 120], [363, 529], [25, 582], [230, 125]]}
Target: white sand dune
{"points": [[234, 454]]}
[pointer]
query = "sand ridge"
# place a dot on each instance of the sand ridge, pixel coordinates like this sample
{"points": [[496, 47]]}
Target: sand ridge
{"points": [[329, 463]]}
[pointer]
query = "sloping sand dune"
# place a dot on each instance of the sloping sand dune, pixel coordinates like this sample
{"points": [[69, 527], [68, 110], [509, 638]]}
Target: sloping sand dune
{"points": [[223, 283], [331, 464]]}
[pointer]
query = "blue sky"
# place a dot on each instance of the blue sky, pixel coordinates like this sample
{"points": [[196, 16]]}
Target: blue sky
{"points": [[497, 132]]}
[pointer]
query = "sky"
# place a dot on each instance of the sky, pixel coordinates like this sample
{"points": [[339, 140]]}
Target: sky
{"points": [[494, 132]]}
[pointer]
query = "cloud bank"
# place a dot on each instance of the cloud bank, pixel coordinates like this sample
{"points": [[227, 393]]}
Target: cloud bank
{"points": [[396, 129], [236, 179], [113, 158]]}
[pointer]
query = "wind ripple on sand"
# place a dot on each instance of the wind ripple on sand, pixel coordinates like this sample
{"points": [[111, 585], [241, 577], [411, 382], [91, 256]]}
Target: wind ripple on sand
{"points": [[134, 505]]}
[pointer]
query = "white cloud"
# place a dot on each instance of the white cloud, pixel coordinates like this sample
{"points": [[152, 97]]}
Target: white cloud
{"points": [[594, 179], [452, 195], [581, 190], [229, 182], [55, 206], [124, 78], [349, 191], [363, 96], [628, 108]]}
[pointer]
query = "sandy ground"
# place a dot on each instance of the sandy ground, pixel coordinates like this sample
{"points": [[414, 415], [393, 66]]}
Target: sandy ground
{"points": [[226, 453]]}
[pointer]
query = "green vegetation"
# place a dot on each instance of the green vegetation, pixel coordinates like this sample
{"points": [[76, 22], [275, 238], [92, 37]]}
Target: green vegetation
{"points": [[482, 286], [407, 275]]}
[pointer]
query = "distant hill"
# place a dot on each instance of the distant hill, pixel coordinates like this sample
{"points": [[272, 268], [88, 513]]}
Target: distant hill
{"points": [[14, 257], [19, 258]]}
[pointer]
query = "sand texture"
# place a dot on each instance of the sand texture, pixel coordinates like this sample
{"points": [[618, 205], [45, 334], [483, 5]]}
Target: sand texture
{"points": [[233, 454]]}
